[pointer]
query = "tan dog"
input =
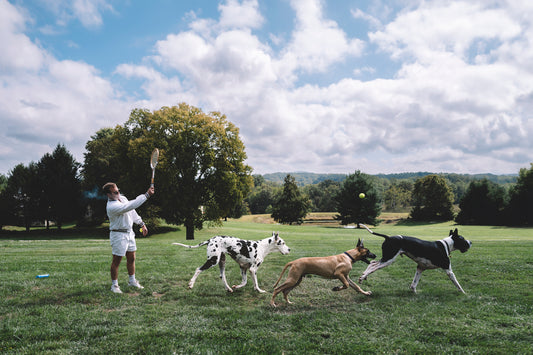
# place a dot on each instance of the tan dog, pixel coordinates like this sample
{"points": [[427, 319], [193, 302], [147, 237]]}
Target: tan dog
{"points": [[331, 267]]}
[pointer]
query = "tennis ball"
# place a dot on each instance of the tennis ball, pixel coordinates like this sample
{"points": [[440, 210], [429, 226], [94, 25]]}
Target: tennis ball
{"points": [[141, 229], [361, 195]]}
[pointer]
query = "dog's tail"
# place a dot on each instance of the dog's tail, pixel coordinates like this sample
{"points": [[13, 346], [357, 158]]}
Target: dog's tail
{"points": [[371, 231], [282, 272], [192, 246]]}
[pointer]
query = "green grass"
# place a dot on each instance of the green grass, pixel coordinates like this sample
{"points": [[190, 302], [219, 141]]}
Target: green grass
{"points": [[73, 311]]}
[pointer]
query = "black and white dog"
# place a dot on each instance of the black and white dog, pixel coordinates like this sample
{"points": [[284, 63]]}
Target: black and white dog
{"points": [[427, 254], [247, 253]]}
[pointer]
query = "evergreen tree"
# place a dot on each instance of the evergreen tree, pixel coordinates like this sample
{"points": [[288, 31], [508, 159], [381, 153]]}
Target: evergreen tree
{"points": [[61, 186], [352, 208], [291, 207], [21, 197], [520, 208]]}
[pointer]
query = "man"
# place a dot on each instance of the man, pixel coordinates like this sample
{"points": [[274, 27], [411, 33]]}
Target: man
{"points": [[122, 215]]}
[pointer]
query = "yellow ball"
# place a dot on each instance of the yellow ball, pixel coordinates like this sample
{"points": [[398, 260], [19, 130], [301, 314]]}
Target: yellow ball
{"points": [[361, 195]]}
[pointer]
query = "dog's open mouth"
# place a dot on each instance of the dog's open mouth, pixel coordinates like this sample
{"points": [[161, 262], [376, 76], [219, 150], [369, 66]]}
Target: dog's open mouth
{"points": [[369, 255]]}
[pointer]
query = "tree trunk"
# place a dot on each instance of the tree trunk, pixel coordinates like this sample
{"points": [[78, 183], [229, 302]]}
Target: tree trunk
{"points": [[189, 230]]}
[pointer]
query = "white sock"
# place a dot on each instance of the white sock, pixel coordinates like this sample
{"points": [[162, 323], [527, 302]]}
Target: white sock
{"points": [[114, 282], [132, 278]]}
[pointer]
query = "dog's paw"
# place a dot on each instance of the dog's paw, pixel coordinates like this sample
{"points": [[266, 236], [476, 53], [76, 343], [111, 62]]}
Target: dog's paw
{"points": [[367, 293], [336, 288], [260, 290]]}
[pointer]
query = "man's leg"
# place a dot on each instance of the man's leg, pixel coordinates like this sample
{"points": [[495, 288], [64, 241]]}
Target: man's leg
{"points": [[114, 266], [130, 258], [114, 273]]}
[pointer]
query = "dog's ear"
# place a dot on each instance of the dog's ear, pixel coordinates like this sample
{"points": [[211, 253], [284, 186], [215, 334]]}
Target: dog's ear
{"points": [[275, 235], [456, 232], [360, 243]]}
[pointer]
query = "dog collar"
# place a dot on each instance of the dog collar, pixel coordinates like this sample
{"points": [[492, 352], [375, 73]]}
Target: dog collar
{"points": [[446, 246], [353, 260]]}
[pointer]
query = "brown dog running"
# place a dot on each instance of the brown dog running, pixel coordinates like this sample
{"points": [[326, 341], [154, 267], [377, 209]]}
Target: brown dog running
{"points": [[331, 267]]}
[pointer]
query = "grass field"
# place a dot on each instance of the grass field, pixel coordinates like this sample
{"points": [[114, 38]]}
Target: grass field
{"points": [[73, 311]]}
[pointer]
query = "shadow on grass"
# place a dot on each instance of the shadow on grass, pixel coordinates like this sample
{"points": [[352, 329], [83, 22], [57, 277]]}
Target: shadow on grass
{"points": [[100, 232]]}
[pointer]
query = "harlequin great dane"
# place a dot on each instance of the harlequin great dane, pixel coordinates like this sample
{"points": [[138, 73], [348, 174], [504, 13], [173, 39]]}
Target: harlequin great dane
{"points": [[427, 254], [248, 254], [331, 267]]}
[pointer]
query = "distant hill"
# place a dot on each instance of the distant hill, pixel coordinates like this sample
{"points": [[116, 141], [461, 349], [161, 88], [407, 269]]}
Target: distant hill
{"points": [[303, 178]]}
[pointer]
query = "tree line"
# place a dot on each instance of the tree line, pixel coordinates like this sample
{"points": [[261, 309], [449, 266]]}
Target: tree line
{"points": [[427, 197], [202, 177]]}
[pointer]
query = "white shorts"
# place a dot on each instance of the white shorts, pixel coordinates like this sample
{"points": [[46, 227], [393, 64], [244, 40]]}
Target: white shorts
{"points": [[122, 242]]}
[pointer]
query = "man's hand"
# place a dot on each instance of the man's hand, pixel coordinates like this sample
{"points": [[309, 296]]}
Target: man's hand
{"points": [[151, 191], [144, 230]]}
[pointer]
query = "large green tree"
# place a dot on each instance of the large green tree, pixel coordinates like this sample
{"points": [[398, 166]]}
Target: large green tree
{"points": [[61, 186], [322, 195], [352, 208], [101, 159], [261, 199], [201, 175], [520, 208], [292, 206], [398, 195], [483, 203], [432, 199], [102, 163], [21, 197]]}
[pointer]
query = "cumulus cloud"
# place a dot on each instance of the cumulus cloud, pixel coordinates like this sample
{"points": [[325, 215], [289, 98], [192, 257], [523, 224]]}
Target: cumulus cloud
{"points": [[240, 15], [461, 80], [18, 51], [87, 12], [45, 101], [317, 42], [460, 101]]}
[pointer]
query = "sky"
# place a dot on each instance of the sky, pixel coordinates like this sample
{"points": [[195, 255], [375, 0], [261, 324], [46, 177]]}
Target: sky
{"points": [[313, 86]]}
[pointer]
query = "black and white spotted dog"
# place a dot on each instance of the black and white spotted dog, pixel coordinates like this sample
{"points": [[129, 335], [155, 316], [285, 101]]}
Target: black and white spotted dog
{"points": [[427, 254], [247, 253]]}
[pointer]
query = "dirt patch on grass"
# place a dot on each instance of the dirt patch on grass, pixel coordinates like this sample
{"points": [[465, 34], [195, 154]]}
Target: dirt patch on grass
{"points": [[325, 218]]}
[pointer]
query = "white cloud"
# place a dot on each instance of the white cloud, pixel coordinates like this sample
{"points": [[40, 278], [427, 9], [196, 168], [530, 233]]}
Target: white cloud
{"points": [[452, 104], [18, 51], [373, 21], [45, 101], [460, 102], [231, 64], [444, 27], [317, 43], [88, 12], [240, 15]]}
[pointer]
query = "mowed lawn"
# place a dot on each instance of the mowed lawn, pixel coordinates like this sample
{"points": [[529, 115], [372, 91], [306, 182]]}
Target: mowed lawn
{"points": [[73, 310]]}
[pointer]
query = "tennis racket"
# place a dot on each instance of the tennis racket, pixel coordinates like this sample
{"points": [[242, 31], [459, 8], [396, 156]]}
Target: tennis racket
{"points": [[153, 163]]}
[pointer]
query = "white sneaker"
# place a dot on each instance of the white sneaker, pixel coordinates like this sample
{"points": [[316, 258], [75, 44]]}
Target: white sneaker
{"points": [[135, 284], [115, 289]]}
